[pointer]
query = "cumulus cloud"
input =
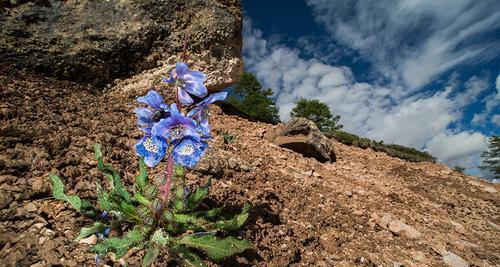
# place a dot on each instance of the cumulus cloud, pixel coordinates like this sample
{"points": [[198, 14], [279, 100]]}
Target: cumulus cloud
{"points": [[378, 112], [412, 42], [453, 148], [491, 106], [496, 120]]}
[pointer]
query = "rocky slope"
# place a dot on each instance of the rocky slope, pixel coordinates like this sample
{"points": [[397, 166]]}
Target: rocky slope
{"points": [[365, 209]]}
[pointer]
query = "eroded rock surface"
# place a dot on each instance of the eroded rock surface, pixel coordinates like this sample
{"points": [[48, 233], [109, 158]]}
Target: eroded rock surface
{"points": [[303, 136], [98, 41]]}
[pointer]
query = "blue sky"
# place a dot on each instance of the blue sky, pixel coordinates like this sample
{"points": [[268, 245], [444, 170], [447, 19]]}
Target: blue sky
{"points": [[424, 73]]}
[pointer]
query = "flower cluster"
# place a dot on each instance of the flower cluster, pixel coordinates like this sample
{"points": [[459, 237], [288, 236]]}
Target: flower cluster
{"points": [[167, 130]]}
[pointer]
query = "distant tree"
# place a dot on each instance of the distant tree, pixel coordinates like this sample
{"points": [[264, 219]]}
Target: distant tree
{"points": [[459, 168], [318, 112], [491, 157], [253, 100]]}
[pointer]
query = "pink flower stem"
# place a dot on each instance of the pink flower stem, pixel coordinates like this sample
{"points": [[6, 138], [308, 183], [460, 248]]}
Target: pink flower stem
{"points": [[165, 188]]}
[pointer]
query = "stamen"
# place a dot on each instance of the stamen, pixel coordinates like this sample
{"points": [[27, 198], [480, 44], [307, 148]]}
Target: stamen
{"points": [[148, 144], [187, 150], [176, 132]]}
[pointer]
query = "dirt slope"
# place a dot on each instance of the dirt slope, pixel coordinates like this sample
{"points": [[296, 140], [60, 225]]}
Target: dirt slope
{"points": [[367, 209]]}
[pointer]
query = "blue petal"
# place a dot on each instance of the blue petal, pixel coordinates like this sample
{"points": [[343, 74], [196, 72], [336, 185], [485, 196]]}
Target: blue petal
{"points": [[184, 97], [181, 69], [195, 87], [144, 116], [189, 151], [217, 97], [162, 128], [205, 128], [174, 111], [146, 130], [151, 158], [211, 99], [193, 113], [106, 231], [152, 98], [195, 75]]}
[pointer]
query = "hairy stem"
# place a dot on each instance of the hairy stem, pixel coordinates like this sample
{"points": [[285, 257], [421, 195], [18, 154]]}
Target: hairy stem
{"points": [[164, 192], [165, 188]]}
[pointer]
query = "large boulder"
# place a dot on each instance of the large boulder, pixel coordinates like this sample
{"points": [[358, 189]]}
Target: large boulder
{"points": [[97, 42], [303, 136]]}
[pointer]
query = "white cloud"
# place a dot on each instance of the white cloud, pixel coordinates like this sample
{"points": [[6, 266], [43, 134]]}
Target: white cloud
{"points": [[496, 120], [491, 105], [451, 147], [412, 42], [378, 112]]}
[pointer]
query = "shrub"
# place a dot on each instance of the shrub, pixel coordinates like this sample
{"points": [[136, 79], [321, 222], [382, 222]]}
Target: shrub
{"points": [[318, 112], [393, 150], [251, 99], [459, 168]]}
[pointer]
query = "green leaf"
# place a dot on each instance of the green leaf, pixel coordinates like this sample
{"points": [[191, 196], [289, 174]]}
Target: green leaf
{"points": [[233, 224], [246, 208], [88, 209], [215, 248], [58, 193], [111, 174], [178, 170], [151, 254], [159, 237], [103, 198], [208, 213], [142, 179], [198, 195], [189, 259], [121, 245], [86, 231], [141, 199], [179, 205], [129, 211], [119, 187], [185, 218], [150, 191]]}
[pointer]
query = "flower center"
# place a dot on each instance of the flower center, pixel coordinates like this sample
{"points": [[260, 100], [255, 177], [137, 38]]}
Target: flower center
{"points": [[187, 149], [176, 132], [148, 144]]}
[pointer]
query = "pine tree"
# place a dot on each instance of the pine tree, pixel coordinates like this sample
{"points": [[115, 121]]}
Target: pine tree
{"points": [[318, 112], [253, 100], [491, 157]]}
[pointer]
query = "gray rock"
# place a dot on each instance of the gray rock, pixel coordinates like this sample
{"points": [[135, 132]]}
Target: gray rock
{"points": [[490, 189], [453, 260], [210, 164], [302, 136], [98, 41]]}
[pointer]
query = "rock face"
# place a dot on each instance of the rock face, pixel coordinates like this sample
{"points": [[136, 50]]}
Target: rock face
{"points": [[303, 136], [98, 41]]}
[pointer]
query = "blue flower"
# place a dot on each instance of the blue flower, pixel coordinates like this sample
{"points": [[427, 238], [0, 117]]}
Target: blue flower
{"points": [[188, 82], [152, 149], [200, 111], [188, 151], [155, 111], [175, 127], [104, 215], [104, 233]]}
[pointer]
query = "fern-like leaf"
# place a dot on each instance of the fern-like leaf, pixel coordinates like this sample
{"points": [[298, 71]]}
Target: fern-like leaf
{"points": [[121, 245], [86, 231], [58, 193], [215, 248]]}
